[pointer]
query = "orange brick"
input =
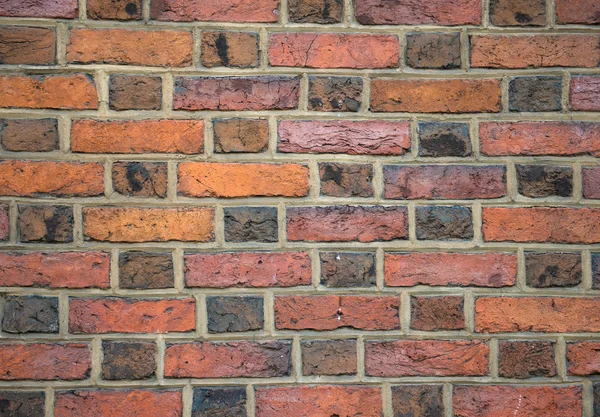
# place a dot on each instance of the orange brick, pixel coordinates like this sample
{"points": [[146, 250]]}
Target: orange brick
{"points": [[215, 10]]}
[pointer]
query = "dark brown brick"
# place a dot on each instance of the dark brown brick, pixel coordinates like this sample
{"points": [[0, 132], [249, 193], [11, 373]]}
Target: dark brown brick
{"points": [[418, 401], [553, 269], [229, 49], [596, 271], [526, 359], [346, 180], [241, 135], [440, 139], [329, 357], [538, 181], [30, 314], [315, 11], [140, 179], [535, 94], [22, 404], [518, 12], [114, 9], [219, 402], [49, 224], [142, 270], [433, 50], [128, 360], [597, 399], [27, 45], [340, 269], [437, 313], [234, 314], [335, 94], [444, 223], [251, 224], [135, 92], [29, 135]]}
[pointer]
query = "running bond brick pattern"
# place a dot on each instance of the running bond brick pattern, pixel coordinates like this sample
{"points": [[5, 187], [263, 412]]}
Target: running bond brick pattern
{"points": [[299, 208]]}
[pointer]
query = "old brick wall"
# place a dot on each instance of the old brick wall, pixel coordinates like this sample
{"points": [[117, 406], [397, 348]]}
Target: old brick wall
{"points": [[299, 208]]}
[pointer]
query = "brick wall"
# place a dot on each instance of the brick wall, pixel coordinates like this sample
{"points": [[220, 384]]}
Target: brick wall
{"points": [[319, 208]]}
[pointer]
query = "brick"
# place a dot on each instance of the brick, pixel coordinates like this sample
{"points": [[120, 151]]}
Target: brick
{"points": [[444, 223], [247, 269], [67, 9], [29, 135], [131, 136], [131, 47], [22, 404], [541, 224], [234, 314], [118, 403], [315, 11], [269, 92], [518, 12], [426, 358], [529, 401], [144, 270], [591, 182], [229, 49], [538, 181], [335, 94], [537, 314], [4, 222], [55, 270], [595, 271], [230, 180], [223, 401], [534, 51], [114, 9], [539, 138], [412, 12], [344, 270], [535, 94], [135, 92], [437, 313], [128, 360], [48, 224], [348, 137], [347, 223], [417, 400], [526, 359], [333, 50], [30, 314], [596, 404], [130, 315], [330, 312], [553, 269], [140, 179], [241, 135], [433, 50], [441, 139], [583, 358], [228, 359], [454, 182], [586, 12], [119, 224], [322, 400], [230, 11], [27, 45], [436, 96], [346, 180], [584, 94], [329, 357], [44, 361], [251, 224]]}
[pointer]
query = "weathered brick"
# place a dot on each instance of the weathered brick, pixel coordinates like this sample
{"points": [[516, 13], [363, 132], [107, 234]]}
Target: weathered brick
{"points": [[27, 45], [315, 11], [535, 94], [596, 271], [586, 12], [120, 224], [433, 50], [241, 135], [228, 359], [414, 12], [229, 49], [67, 9], [131, 47], [135, 92], [330, 312], [128, 360], [144, 270], [200, 179], [342, 269], [444, 223], [585, 92], [131, 136], [230, 11], [333, 50], [30, 314], [335, 94], [4, 222], [347, 223], [591, 182], [437, 313], [22, 404], [329, 357], [553, 269], [436, 96], [349, 137], [418, 400], [538, 181], [49, 224], [140, 179], [440, 139], [346, 180], [596, 403], [526, 359], [29, 135], [247, 269], [426, 358], [114, 9], [130, 315], [219, 401], [518, 12], [583, 358], [234, 314], [251, 224]]}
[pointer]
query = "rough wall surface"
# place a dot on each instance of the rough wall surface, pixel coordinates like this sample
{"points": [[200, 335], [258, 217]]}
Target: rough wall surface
{"points": [[299, 208]]}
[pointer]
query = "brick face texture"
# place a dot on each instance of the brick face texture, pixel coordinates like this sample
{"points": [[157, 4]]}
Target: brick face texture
{"points": [[299, 208]]}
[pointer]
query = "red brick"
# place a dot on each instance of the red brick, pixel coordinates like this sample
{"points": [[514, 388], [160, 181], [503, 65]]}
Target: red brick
{"points": [[27, 45], [118, 403], [333, 50], [537, 314], [426, 358], [130, 315], [450, 269], [41, 361], [230, 49], [229, 11], [330, 312], [350, 137], [347, 223], [416, 12], [319, 401], [246, 269], [55, 270], [72, 91], [436, 96], [526, 51], [131, 136], [583, 358], [67, 9], [131, 47], [4, 226], [541, 224], [114, 9], [43, 178], [228, 360], [525, 401], [585, 92], [539, 138], [199, 179], [591, 182], [586, 12]]}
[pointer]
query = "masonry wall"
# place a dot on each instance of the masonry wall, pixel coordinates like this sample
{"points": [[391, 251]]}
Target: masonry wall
{"points": [[300, 208]]}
